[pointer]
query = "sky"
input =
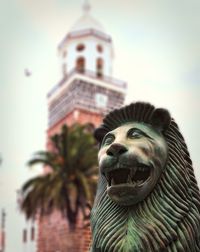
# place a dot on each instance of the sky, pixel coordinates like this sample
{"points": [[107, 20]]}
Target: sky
{"points": [[157, 52]]}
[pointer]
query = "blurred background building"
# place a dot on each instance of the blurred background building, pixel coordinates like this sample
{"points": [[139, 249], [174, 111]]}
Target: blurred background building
{"points": [[28, 229], [2, 231]]}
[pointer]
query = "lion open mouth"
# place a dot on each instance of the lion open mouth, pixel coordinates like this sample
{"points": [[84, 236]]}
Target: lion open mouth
{"points": [[134, 176]]}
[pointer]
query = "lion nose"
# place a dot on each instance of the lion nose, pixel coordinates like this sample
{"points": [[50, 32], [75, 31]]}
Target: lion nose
{"points": [[116, 150]]}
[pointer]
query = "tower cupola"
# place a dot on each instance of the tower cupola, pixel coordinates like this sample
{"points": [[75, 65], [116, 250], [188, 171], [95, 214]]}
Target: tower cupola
{"points": [[86, 48]]}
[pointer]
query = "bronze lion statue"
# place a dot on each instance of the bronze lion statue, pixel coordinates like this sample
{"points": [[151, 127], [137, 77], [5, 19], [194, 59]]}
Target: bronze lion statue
{"points": [[147, 198]]}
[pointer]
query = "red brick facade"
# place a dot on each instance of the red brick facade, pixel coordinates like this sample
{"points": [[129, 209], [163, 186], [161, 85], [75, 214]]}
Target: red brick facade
{"points": [[82, 117], [54, 234]]}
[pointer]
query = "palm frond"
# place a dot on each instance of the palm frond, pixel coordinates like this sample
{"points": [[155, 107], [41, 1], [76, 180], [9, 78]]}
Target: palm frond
{"points": [[73, 163]]}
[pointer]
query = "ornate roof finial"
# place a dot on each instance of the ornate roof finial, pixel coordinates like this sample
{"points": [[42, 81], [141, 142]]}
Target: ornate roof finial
{"points": [[86, 6]]}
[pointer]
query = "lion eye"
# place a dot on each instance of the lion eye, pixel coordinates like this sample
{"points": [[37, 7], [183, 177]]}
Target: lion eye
{"points": [[108, 140], [135, 133]]}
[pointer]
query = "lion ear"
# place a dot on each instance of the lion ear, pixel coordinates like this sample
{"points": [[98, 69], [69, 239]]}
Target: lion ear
{"points": [[99, 133], [161, 119]]}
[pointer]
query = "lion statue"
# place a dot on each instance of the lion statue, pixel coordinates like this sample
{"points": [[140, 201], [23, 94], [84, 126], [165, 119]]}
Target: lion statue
{"points": [[147, 198]]}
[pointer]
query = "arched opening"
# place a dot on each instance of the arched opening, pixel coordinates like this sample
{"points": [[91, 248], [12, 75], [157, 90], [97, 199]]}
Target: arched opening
{"points": [[99, 67], [32, 233], [80, 64], [100, 48], [24, 235], [80, 47]]}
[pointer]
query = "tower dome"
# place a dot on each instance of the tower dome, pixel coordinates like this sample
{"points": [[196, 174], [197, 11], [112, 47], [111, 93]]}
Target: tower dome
{"points": [[86, 21], [86, 47]]}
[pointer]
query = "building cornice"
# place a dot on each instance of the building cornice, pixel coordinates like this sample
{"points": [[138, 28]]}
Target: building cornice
{"points": [[83, 34], [88, 76]]}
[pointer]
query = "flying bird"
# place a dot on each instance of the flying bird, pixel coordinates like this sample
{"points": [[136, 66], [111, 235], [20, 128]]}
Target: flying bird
{"points": [[27, 72]]}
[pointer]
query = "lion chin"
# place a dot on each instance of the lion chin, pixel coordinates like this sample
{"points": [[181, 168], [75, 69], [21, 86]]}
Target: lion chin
{"points": [[147, 198]]}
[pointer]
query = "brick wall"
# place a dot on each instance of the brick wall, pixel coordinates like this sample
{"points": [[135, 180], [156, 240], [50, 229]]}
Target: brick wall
{"points": [[54, 235], [82, 117]]}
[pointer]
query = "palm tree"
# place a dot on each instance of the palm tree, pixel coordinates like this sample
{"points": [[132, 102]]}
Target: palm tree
{"points": [[71, 183]]}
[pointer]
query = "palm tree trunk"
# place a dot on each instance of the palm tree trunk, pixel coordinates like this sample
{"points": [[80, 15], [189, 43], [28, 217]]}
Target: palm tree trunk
{"points": [[72, 214]]}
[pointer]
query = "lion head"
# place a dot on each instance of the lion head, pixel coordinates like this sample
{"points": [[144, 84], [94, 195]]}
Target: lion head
{"points": [[147, 197]]}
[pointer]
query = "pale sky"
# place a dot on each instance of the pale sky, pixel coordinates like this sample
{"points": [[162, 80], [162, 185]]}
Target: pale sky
{"points": [[157, 51]]}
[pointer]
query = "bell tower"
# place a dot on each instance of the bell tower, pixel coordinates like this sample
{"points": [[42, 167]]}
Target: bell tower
{"points": [[85, 92], [87, 89]]}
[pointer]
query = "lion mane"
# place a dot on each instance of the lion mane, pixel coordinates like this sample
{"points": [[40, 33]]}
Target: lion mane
{"points": [[169, 217]]}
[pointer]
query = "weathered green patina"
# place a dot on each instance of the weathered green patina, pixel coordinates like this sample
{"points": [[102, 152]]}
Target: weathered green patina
{"points": [[147, 198]]}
